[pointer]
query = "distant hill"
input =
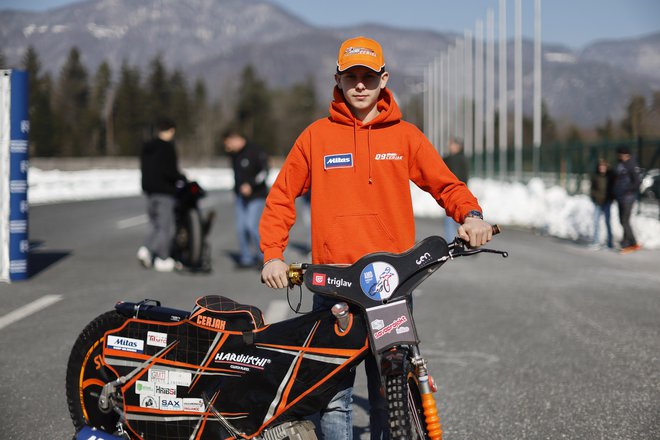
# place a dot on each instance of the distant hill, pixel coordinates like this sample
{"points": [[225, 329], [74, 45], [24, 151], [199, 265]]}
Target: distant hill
{"points": [[214, 39]]}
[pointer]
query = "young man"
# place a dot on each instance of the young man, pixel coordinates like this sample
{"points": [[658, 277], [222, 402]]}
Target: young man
{"points": [[160, 173], [250, 166], [358, 164], [626, 189]]}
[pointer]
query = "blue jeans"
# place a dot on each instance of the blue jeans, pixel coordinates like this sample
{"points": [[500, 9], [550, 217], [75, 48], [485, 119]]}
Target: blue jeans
{"points": [[450, 229], [603, 210], [248, 214], [337, 418]]}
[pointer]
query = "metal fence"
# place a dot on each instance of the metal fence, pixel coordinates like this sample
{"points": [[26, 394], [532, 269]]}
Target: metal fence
{"points": [[566, 165]]}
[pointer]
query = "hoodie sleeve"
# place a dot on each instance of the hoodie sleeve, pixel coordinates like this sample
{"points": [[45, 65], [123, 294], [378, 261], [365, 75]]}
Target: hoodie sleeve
{"points": [[280, 211], [431, 174]]}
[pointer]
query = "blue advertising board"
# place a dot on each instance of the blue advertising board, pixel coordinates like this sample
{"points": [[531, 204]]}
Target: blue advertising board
{"points": [[18, 176]]}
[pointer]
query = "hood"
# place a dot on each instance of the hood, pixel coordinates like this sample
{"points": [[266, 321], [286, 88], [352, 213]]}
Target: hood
{"points": [[387, 106]]}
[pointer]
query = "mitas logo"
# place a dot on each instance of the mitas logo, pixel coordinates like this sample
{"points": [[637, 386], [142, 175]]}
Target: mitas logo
{"points": [[338, 161], [125, 344]]}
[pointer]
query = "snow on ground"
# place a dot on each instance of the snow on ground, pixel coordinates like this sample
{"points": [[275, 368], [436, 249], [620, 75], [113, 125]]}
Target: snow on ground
{"points": [[533, 205]]}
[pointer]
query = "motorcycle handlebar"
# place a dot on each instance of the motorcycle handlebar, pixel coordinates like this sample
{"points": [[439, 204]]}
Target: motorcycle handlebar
{"points": [[296, 270]]}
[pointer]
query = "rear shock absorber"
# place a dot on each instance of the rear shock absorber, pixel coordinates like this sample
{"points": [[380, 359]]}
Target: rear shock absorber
{"points": [[428, 401]]}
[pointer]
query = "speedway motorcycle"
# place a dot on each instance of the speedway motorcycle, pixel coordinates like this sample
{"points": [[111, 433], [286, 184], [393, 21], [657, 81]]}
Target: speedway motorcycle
{"points": [[145, 371], [189, 246]]}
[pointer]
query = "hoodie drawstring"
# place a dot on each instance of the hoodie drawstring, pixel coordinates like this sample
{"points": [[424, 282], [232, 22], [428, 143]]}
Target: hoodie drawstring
{"points": [[369, 150]]}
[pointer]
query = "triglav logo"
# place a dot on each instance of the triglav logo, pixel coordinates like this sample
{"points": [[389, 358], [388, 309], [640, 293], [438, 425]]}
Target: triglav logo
{"points": [[318, 279]]}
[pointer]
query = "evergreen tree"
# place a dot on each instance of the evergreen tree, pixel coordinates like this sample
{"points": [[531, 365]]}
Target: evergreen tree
{"points": [[101, 108], [71, 101], [42, 130], [254, 115], [158, 93], [548, 126], [296, 109], [129, 113], [3, 60], [605, 132], [634, 121]]}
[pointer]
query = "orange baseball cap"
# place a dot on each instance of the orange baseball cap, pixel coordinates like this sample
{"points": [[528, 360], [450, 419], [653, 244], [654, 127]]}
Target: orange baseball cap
{"points": [[360, 51]]}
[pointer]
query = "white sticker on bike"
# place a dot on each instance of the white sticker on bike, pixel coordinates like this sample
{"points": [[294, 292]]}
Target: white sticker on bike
{"points": [[379, 280]]}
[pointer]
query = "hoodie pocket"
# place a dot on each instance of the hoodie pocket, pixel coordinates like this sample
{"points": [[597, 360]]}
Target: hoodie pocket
{"points": [[352, 236]]}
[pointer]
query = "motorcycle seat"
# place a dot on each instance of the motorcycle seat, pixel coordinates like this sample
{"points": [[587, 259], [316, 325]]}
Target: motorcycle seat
{"points": [[236, 316]]}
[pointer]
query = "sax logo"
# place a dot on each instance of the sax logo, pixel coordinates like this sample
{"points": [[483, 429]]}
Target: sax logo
{"points": [[423, 259]]}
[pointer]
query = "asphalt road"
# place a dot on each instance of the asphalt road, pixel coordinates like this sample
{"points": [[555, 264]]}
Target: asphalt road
{"points": [[555, 342]]}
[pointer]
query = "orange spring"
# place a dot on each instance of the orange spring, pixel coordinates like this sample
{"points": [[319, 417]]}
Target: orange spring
{"points": [[431, 415]]}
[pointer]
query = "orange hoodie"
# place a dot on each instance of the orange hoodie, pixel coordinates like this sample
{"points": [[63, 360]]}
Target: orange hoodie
{"points": [[359, 177]]}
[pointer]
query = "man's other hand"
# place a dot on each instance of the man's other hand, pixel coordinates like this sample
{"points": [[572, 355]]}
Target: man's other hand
{"points": [[475, 231], [274, 274]]}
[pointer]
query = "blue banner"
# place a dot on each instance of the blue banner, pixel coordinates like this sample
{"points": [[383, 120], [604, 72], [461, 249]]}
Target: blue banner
{"points": [[18, 175]]}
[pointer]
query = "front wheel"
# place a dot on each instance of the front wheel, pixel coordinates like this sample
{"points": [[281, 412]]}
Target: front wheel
{"points": [[86, 374], [404, 402]]}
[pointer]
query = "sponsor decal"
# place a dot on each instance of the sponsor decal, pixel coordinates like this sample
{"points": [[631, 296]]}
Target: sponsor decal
{"points": [[143, 387], [168, 404], [165, 390], [379, 280], [158, 375], [338, 161], [148, 402], [211, 322], [125, 344], [318, 279], [181, 378], [423, 259], [359, 51], [157, 339], [339, 282], [194, 405], [401, 330], [389, 328], [377, 324], [245, 359], [388, 156]]}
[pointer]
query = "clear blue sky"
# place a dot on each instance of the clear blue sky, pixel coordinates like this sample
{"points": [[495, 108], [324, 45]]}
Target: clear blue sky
{"points": [[570, 22]]}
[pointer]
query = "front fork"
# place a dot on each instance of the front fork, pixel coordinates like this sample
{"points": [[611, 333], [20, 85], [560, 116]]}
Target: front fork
{"points": [[393, 362]]}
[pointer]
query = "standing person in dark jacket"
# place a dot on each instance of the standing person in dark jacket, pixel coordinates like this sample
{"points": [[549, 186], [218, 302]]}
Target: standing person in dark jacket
{"points": [[457, 164], [602, 196], [160, 173], [250, 166], [626, 188]]}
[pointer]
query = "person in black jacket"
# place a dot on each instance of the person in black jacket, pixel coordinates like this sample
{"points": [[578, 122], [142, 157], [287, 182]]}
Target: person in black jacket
{"points": [[458, 165], [160, 174], [602, 195], [250, 165], [626, 189]]}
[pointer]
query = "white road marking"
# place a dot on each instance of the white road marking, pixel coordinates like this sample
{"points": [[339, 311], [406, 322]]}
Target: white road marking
{"points": [[133, 221], [277, 311], [28, 309]]}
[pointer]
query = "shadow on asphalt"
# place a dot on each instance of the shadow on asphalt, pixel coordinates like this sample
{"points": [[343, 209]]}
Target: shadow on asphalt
{"points": [[39, 261]]}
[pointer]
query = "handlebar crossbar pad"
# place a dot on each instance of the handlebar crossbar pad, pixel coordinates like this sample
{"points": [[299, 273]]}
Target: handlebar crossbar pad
{"points": [[379, 277]]}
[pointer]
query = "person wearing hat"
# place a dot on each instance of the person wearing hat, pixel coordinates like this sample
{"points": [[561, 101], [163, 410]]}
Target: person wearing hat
{"points": [[358, 163], [626, 189]]}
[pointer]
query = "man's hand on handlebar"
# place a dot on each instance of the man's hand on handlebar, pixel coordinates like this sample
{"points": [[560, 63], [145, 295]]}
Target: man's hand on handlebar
{"points": [[274, 274], [475, 232]]}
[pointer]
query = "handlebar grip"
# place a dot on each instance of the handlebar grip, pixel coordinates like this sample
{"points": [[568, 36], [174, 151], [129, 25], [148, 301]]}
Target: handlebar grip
{"points": [[496, 229]]}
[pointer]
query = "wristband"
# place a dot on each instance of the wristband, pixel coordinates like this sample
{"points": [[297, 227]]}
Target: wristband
{"points": [[475, 214], [271, 260]]}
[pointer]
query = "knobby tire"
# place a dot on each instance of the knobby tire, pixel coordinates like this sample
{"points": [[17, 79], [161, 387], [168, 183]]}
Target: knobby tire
{"points": [[85, 374]]}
